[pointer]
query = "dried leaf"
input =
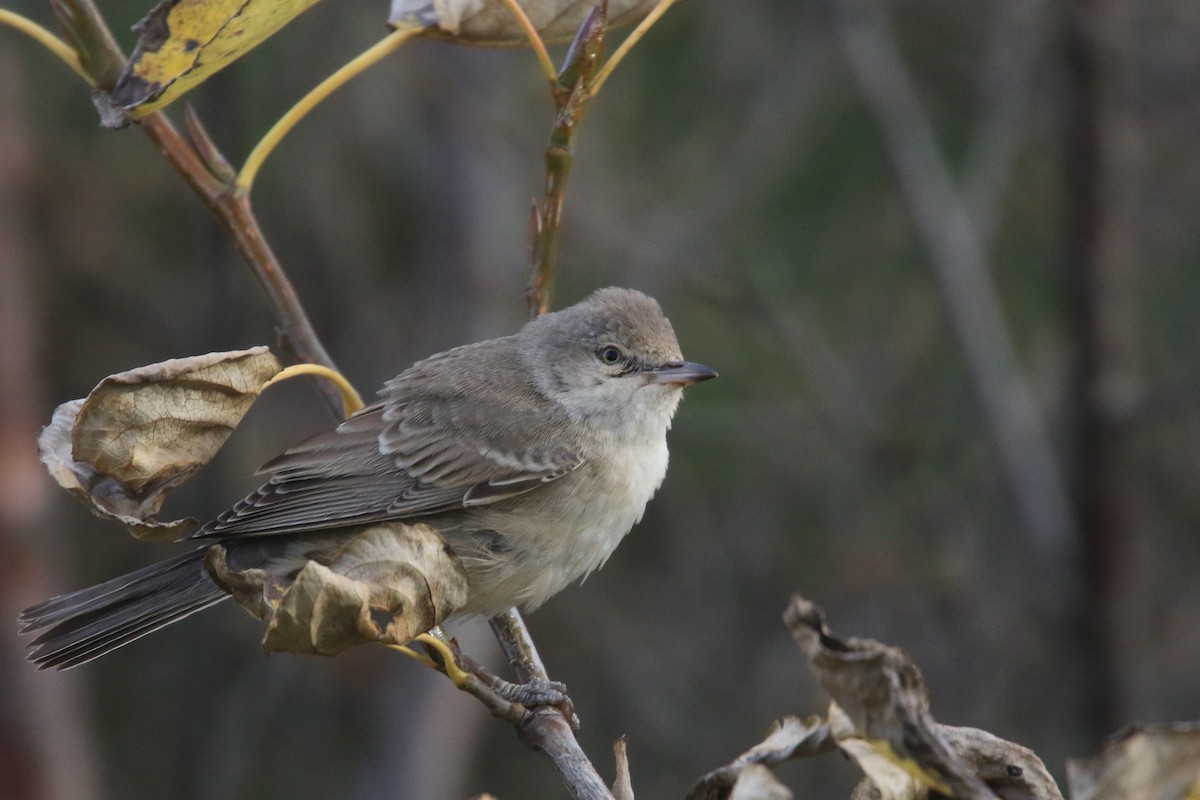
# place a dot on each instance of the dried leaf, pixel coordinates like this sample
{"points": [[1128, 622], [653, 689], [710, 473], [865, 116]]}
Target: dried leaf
{"points": [[889, 776], [758, 783], [387, 584], [489, 22], [1010, 770], [880, 716], [1146, 762], [141, 433], [790, 737], [182, 43], [255, 590]]}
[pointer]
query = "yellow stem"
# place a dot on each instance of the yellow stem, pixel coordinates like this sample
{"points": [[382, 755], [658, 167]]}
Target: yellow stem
{"points": [[46, 39], [359, 64], [351, 401], [535, 39], [453, 671], [627, 45], [413, 654]]}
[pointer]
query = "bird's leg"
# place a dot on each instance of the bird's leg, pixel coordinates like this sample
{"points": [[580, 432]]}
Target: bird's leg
{"points": [[531, 694], [539, 692], [442, 654]]}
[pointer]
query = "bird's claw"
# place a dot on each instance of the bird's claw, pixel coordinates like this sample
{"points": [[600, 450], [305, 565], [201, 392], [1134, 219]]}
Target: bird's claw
{"points": [[443, 655], [540, 692]]}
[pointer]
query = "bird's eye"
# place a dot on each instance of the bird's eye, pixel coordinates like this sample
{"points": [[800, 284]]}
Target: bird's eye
{"points": [[610, 355]]}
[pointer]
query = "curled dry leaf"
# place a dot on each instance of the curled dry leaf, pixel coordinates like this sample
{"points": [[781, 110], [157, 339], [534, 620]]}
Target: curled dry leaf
{"points": [[790, 737], [387, 584], [880, 716], [1011, 771], [758, 783], [1146, 762], [491, 23], [141, 433]]}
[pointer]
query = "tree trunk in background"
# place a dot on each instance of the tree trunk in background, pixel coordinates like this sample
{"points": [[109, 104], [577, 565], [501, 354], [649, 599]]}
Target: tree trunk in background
{"points": [[1103, 165]]}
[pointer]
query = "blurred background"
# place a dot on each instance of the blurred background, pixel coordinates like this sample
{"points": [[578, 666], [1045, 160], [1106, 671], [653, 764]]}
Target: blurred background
{"points": [[943, 254]]}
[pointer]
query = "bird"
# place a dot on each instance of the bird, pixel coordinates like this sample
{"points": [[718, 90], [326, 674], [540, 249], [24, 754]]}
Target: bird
{"points": [[532, 455]]}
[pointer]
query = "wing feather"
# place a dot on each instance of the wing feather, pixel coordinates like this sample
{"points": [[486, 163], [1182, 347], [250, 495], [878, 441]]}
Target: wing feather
{"points": [[440, 440]]}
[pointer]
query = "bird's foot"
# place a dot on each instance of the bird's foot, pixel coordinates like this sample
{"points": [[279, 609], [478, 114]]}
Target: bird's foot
{"points": [[442, 653], [540, 692]]}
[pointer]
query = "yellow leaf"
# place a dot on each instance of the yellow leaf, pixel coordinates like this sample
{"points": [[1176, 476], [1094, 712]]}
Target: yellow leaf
{"points": [[182, 43]]}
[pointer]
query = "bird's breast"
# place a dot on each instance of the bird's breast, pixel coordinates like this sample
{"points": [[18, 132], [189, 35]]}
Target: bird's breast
{"points": [[565, 530]]}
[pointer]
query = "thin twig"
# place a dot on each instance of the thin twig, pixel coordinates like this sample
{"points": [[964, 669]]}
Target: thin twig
{"points": [[535, 39], [518, 647], [233, 211], [547, 732], [571, 96], [363, 61], [87, 31], [632, 39]]}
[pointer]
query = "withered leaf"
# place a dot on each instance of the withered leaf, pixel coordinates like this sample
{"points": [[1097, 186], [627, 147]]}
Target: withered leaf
{"points": [[182, 43], [1146, 762], [141, 433], [490, 22], [880, 716], [1010, 770], [387, 584], [790, 737], [758, 783]]}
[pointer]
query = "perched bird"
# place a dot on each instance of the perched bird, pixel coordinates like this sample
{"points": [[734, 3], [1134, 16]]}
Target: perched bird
{"points": [[532, 454]]}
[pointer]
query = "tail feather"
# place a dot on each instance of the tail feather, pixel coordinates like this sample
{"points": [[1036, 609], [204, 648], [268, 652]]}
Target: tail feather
{"points": [[89, 623]]}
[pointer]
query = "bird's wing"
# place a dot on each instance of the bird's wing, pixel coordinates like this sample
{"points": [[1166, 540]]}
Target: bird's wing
{"points": [[439, 441]]}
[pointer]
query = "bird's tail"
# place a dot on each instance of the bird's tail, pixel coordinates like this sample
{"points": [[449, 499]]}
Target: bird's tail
{"points": [[86, 624]]}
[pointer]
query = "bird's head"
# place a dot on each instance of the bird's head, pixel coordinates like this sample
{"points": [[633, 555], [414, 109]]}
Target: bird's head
{"points": [[612, 360]]}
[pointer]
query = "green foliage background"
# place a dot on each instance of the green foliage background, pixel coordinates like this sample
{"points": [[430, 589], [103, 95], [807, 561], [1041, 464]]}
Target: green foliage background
{"points": [[732, 169]]}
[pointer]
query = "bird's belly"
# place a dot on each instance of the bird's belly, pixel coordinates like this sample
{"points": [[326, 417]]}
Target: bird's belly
{"points": [[560, 533]]}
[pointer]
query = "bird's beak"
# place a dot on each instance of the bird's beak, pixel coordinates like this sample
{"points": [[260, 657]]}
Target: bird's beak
{"points": [[681, 373]]}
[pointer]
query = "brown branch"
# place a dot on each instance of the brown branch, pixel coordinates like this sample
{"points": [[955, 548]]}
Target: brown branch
{"points": [[518, 647], [572, 94], [205, 171], [543, 729], [547, 732]]}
